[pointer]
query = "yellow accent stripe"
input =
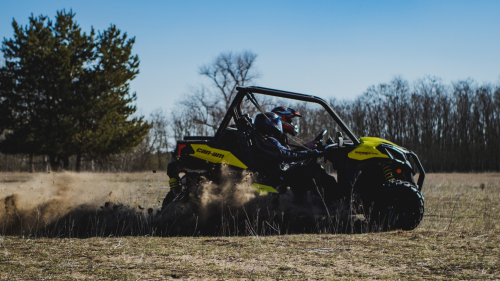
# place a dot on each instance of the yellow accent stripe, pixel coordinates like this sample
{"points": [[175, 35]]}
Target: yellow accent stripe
{"points": [[214, 155], [374, 139], [263, 189]]}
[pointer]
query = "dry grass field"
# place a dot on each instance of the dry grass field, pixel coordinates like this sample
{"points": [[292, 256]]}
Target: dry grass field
{"points": [[459, 237]]}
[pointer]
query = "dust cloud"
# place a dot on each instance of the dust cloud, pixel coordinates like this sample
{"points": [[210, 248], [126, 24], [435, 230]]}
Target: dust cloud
{"points": [[61, 204], [89, 205]]}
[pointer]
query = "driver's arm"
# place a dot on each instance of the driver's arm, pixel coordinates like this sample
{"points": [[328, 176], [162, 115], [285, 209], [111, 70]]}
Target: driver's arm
{"points": [[294, 155]]}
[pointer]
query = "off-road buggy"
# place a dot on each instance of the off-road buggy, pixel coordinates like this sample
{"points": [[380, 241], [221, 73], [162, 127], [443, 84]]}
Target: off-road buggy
{"points": [[375, 175]]}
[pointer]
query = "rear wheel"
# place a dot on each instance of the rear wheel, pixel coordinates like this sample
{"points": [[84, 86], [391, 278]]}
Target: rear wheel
{"points": [[398, 205], [189, 190], [171, 196]]}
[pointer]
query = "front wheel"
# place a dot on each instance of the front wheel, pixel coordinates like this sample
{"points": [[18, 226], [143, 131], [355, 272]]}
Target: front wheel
{"points": [[398, 205]]}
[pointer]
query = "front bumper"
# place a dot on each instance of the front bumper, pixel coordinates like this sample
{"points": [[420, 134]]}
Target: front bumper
{"points": [[421, 171]]}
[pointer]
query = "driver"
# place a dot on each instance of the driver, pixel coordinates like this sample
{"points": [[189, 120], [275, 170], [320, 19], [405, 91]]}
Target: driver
{"points": [[271, 127], [287, 114], [288, 164]]}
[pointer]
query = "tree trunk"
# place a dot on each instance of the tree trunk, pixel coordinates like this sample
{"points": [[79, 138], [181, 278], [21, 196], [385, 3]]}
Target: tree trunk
{"points": [[65, 162], [78, 161], [47, 166], [54, 162], [31, 163], [158, 153]]}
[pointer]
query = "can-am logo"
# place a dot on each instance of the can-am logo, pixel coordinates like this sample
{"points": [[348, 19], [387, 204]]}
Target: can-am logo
{"points": [[365, 153], [208, 152]]}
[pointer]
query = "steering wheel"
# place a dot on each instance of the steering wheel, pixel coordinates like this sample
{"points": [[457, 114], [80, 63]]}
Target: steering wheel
{"points": [[321, 135]]}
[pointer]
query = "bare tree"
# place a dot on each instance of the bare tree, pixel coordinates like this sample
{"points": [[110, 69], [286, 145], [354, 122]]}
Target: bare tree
{"points": [[202, 110], [159, 137], [229, 71]]}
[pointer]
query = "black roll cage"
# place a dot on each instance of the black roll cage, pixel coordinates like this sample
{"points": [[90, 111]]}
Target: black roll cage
{"points": [[235, 109]]}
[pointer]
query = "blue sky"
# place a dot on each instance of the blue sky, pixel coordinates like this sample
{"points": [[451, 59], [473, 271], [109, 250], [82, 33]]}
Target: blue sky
{"points": [[324, 48]]}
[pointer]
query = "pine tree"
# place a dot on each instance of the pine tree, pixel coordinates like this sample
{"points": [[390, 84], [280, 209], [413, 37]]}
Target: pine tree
{"points": [[64, 92]]}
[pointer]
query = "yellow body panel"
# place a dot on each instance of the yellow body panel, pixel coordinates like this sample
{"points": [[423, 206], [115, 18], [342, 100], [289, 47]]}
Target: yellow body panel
{"points": [[263, 189], [374, 139], [214, 155], [367, 149]]}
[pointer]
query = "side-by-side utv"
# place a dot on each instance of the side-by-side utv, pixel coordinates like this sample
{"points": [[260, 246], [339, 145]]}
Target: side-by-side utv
{"points": [[375, 176]]}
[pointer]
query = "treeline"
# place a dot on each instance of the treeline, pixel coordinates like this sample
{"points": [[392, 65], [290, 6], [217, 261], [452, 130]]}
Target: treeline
{"points": [[452, 128]]}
